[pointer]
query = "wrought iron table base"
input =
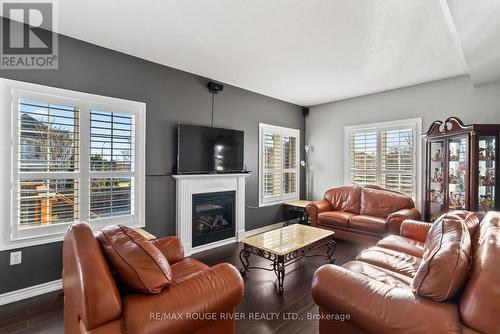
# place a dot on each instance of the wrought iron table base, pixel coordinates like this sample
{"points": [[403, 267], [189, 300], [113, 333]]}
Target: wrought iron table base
{"points": [[280, 262]]}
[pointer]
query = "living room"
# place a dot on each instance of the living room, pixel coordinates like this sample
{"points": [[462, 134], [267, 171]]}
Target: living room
{"points": [[250, 167]]}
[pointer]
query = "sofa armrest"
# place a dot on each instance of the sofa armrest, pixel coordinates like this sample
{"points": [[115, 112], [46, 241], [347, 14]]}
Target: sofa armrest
{"points": [[171, 247], [211, 293], [380, 308], [395, 219], [315, 208], [414, 229]]}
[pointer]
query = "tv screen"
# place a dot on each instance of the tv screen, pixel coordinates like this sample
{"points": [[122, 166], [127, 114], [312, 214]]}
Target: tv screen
{"points": [[203, 149]]}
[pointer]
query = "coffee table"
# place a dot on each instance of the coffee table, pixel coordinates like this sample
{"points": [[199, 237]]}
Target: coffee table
{"points": [[285, 246]]}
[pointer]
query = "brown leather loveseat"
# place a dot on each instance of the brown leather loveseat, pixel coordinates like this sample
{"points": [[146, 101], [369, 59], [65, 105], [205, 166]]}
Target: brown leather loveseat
{"points": [[177, 299], [433, 278], [362, 213]]}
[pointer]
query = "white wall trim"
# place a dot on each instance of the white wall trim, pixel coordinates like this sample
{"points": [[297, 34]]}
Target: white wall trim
{"points": [[32, 291]]}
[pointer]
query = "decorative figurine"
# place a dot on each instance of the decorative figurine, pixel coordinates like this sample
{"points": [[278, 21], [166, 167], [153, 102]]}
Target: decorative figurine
{"points": [[454, 153], [456, 200], [436, 196], [438, 156], [452, 177], [488, 179], [460, 175], [438, 175], [487, 153], [486, 202]]}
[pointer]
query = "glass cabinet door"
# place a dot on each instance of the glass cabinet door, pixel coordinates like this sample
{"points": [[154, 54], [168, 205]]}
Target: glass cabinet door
{"points": [[487, 177], [457, 173], [437, 174]]}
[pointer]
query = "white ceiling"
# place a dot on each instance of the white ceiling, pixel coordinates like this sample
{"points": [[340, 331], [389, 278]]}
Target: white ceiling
{"points": [[304, 52], [478, 26]]}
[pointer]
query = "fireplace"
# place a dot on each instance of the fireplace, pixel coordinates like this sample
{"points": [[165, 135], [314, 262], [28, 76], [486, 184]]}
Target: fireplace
{"points": [[213, 217], [190, 185]]}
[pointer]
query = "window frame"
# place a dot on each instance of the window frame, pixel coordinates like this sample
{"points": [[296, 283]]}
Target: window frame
{"points": [[413, 123], [282, 198], [11, 91]]}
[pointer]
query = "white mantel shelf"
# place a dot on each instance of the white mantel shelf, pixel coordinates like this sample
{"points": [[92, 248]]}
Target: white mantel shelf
{"points": [[210, 176], [189, 184]]}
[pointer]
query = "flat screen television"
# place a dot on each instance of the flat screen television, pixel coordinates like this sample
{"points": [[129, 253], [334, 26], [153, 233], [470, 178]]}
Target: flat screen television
{"points": [[203, 149]]}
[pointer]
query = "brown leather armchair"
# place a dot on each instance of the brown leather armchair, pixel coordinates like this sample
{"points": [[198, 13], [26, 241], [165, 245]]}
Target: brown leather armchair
{"points": [[95, 303], [375, 293], [362, 213]]}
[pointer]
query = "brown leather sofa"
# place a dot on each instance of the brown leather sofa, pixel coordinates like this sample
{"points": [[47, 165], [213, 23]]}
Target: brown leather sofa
{"points": [[378, 292], [96, 303], [362, 213]]}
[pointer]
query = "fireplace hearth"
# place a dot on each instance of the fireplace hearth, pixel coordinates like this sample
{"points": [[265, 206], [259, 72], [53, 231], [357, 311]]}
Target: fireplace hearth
{"points": [[213, 217]]}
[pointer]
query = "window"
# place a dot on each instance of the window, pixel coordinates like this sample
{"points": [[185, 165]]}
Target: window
{"points": [[75, 157], [279, 164], [385, 154]]}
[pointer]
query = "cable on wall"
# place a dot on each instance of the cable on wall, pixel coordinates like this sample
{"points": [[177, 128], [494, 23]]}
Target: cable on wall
{"points": [[213, 99], [214, 88]]}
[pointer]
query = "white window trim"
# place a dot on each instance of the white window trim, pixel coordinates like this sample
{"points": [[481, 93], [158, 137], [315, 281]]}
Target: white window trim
{"points": [[415, 124], [283, 131], [9, 90]]}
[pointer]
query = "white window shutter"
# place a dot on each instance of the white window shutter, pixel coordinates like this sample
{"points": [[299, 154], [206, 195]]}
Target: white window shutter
{"points": [[112, 154], [76, 157], [384, 154], [47, 163], [398, 160], [279, 165]]}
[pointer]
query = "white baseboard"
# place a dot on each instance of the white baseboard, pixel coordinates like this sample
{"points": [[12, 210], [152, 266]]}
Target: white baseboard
{"points": [[263, 229], [32, 291]]}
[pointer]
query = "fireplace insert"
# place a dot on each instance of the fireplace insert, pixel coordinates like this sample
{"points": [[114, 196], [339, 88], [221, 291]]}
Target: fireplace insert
{"points": [[213, 217]]}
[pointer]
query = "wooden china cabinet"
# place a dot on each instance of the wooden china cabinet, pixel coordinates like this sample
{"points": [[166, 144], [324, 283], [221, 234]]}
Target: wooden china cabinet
{"points": [[461, 167]]}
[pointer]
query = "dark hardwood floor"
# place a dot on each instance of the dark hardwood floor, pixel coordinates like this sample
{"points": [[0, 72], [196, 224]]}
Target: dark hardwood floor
{"points": [[44, 314]]}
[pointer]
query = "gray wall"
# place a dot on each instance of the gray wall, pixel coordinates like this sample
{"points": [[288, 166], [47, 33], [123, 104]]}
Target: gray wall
{"points": [[171, 96], [431, 101]]}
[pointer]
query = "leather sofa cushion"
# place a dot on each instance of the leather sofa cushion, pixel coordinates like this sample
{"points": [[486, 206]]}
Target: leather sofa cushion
{"points": [[187, 267], [381, 203], [335, 218], [344, 198], [84, 264], [444, 268], [398, 262], [403, 244], [369, 223], [379, 274], [479, 303], [214, 292], [139, 264], [470, 219], [171, 247]]}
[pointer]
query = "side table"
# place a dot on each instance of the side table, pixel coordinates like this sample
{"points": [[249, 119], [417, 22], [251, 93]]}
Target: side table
{"points": [[295, 211]]}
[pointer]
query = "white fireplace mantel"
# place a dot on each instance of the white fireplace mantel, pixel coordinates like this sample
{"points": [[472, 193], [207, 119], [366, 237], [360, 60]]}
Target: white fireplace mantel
{"points": [[190, 184]]}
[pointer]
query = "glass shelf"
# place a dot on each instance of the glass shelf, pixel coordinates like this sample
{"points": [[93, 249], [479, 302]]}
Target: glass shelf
{"points": [[486, 170], [457, 173], [436, 186]]}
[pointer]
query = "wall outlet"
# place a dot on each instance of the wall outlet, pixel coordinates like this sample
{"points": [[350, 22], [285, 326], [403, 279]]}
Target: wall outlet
{"points": [[16, 258]]}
